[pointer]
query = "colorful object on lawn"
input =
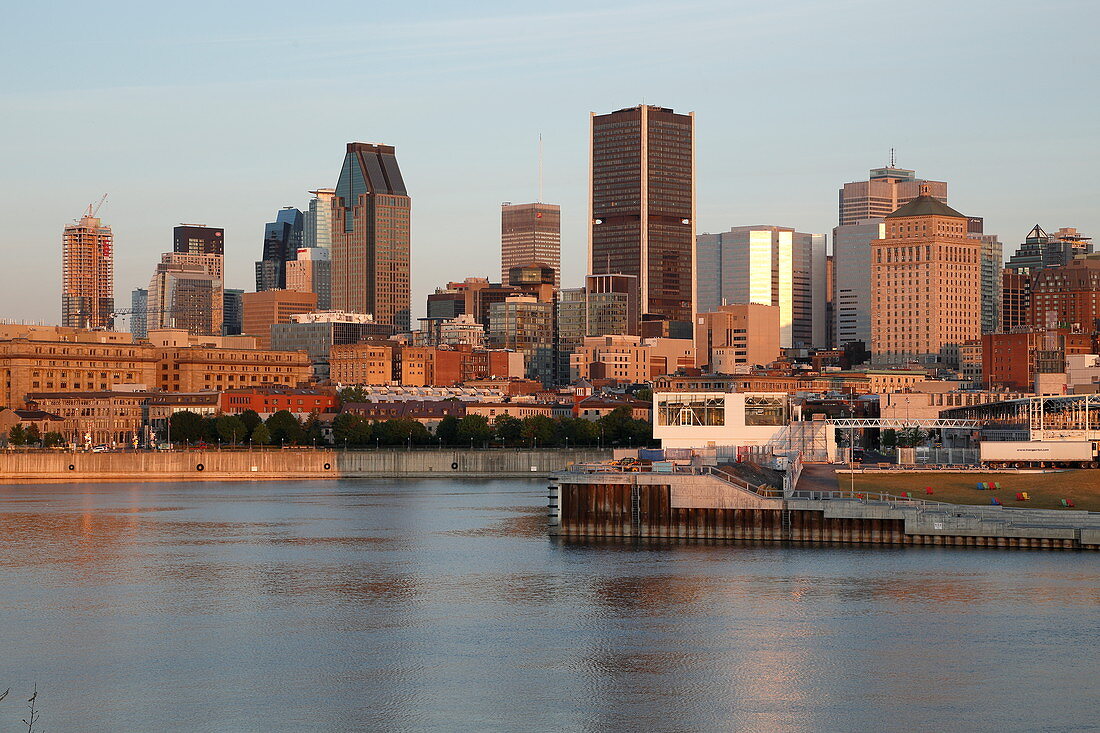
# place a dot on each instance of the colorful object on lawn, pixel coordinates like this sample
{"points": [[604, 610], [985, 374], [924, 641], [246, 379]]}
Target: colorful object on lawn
{"points": [[995, 501], [1023, 496], [1068, 503], [928, 489], [905, 494]]}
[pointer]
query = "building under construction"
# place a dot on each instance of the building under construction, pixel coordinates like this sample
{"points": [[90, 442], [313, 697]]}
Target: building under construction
{"points": [[88, 273]]}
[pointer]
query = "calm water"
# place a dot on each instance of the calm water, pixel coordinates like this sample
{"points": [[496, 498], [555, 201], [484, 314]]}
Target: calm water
{"points": [[442, 605]]}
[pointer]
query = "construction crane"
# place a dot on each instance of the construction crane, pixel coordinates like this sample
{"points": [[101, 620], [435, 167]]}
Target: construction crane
{"points": [[93, 209]]}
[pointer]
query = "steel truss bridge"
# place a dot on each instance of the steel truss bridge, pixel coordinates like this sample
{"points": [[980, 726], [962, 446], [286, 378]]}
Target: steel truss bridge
{"points": [[855, 423]]}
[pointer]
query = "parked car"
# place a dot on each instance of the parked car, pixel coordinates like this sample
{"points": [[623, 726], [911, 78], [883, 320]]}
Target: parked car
{"points": [[100, 449]]}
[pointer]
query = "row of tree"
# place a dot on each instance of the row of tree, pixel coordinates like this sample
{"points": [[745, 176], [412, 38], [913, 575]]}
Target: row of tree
{"points": [[31, 436], [616, 428], [355, 431]]}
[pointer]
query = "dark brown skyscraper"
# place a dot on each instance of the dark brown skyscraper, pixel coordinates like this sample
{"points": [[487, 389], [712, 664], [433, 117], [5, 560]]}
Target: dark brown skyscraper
{"points": [[642, 199], [530, 233], [198, 239], [370, 236]]}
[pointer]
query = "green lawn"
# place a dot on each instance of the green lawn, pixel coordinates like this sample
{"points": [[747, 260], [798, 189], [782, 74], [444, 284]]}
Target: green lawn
{"points": [[1046, 489]]}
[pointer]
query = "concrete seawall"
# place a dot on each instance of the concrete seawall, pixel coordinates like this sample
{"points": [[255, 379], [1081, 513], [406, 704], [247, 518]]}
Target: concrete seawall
{"points": [[51, 466]]}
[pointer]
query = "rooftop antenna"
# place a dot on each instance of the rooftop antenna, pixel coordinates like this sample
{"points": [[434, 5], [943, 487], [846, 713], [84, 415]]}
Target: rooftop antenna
{"points": [[892, 158], [539, 200]]}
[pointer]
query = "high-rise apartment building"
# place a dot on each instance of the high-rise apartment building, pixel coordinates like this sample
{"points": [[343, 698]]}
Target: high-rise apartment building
{"points": [[884, 191], [852, 280], [311, 273], [88, 274], [318, 219], [1015, 300], [1041, 250], [770, 265], [925, 285], [198, 239], [282, 240], [642, 205], [992, 280], [530, 233], [139, 306], [370, 238]]}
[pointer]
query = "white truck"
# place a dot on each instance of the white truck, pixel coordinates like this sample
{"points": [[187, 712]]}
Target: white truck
{"points": [[1039, 454]]}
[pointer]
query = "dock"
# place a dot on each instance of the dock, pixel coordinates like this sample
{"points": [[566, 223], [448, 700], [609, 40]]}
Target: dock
{"points": [[708, 503]]}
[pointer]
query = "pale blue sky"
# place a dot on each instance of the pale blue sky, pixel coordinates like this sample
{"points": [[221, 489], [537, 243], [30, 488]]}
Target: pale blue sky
{"points": [[221, 113]]}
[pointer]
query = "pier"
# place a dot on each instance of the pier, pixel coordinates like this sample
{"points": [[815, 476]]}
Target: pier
{"points": [[597, 500]]}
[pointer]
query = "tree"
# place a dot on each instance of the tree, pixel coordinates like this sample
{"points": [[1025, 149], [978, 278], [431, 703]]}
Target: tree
{"points": [[351, 429], [401, 431], [261, 435], [210, 429], [251, 419], [616, 426], [352, 394], [285, 428], [314, 434], [17, 435], [185, 426], [231, 429], [912, 437], [538, 430], [31, 436], [447, 430], [508, 429], [645, 394], [574, 431], [474, 430], [53, 439]]}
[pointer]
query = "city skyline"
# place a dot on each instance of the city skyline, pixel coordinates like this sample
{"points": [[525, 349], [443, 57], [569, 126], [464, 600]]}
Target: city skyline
{"points": [[783, 171]]}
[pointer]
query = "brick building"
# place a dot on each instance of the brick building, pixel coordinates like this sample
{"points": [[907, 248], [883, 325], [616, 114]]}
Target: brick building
{"points": [[269, 400]]}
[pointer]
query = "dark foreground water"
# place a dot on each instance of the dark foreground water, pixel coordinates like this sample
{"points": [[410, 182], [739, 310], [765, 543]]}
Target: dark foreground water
{"points": [[442, 605]]}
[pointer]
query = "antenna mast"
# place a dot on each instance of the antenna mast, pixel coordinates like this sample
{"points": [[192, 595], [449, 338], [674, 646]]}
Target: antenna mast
{"points": [[539, 200], [892, 158]]}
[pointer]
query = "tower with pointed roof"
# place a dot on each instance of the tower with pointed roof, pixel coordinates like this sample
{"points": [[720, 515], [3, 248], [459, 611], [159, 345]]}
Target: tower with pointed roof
{"points": [[925, 285]]}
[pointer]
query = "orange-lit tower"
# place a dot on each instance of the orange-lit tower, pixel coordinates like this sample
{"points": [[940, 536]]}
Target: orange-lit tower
{"points": [[88, 273]]}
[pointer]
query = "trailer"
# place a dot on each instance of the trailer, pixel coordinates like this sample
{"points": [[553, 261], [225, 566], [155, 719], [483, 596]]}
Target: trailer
{"points": [[1039, 454]]}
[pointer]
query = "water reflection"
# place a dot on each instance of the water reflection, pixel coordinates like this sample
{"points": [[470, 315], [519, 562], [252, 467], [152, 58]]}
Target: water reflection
{"points": [[442, 605]]}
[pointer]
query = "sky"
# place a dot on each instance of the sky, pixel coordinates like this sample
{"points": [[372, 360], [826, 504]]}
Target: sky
{"points": [[222, 113]]}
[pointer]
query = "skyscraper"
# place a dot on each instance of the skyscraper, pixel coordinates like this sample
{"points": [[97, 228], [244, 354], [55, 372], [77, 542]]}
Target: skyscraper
{"points": [[642, 205], [318, 231], [530, 233], [769, 265], [884, 191], [184, 295], [370, 238], [87, 274], [992, 265], [232, 311], [198, 239], [852, 279], [139, 309], [926, 285], [282, 239]]}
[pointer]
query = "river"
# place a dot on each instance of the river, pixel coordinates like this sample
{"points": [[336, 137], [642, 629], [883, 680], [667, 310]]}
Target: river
{"points": [[443, 605]]}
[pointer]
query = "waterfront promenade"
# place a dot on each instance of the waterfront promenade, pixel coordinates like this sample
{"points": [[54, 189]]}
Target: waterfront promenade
{"points": [[291, 463]]}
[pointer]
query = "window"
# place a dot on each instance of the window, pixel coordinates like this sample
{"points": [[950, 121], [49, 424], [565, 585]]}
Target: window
{"points": [[691, 410]]}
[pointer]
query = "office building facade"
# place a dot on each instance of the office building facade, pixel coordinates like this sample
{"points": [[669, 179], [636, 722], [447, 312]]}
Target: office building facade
{"points": [[852, 280], [1040, 250], [926, 285], [282, 240], [185, 294], [530, 233], [318, 219], [260, 311], [370, 238], [883, 192], [642, 205], [139, 313], [769, 265], [198, 239], [311, 272]]}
